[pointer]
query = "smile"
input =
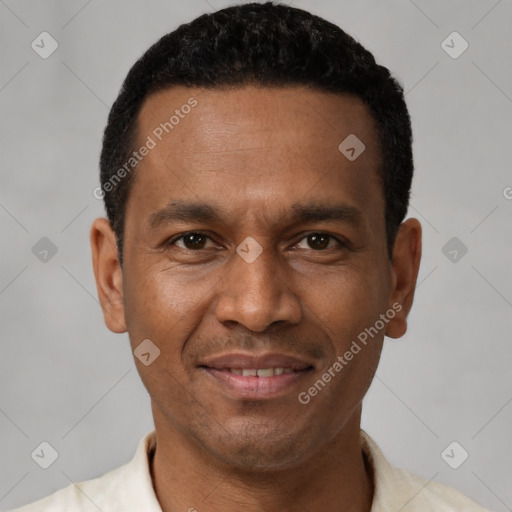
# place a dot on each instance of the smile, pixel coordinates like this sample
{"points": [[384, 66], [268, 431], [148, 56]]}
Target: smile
{"points": [[262, 372], [263, 376]]}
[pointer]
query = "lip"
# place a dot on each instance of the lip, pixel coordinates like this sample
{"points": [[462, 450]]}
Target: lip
{"points": [[252, 387], [244, 360]]}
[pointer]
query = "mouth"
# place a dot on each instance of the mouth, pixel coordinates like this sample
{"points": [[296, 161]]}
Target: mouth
{"points": [[260, 372], [257, 376]]}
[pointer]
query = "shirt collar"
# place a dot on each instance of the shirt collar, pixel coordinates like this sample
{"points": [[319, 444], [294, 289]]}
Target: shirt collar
{"points": [[137, 476], [134, 479]]}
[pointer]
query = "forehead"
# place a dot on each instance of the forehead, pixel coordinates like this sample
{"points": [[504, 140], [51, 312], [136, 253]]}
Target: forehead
{"points": [[219, 116], [254, 144]]}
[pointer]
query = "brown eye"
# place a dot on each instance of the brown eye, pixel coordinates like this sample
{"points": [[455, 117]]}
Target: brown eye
{"points": [[191, 241], [320, 241]]}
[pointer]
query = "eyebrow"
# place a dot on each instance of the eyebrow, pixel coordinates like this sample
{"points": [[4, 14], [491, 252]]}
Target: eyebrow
{"points": [[178, 210]]}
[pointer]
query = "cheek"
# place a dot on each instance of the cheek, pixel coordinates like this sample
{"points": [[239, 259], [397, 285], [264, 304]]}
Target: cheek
{"points": [[161, 303], [167, 309], [161, 308], [346, 301], [347, 308]]}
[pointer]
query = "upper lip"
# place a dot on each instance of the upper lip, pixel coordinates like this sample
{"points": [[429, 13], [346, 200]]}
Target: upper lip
{"points": [[257, 361]]}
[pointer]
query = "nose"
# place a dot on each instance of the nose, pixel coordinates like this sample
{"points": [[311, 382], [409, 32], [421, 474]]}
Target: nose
{"points": [[257, 293]]}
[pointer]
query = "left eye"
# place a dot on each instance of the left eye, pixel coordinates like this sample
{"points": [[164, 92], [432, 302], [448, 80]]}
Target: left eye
{"points": [[193, 240], [319, 241]]}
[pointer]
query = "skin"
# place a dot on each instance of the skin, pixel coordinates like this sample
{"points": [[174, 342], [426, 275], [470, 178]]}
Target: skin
{"points": [[254, 152]]}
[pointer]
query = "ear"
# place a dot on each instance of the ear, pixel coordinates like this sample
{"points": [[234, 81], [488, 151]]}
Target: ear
{"points": [[108, 274], [405, 266]]}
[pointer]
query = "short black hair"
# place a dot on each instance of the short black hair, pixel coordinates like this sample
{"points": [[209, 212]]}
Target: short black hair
{"points": [[269, 45]]}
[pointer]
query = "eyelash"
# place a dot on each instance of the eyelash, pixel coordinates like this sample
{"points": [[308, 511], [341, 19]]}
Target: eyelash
{"points": [[173, 240]]}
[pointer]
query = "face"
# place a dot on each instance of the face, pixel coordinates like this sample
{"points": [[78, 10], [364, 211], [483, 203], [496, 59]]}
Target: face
{"points": [[253, 243]]}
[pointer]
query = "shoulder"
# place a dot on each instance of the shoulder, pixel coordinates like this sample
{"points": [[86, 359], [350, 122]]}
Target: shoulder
{"points": [[84, 496], [127, 488], [421, 495], [399, 489]]}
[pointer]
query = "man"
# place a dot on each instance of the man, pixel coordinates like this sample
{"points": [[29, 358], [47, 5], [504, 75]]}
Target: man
{"points": [[256, 170]]}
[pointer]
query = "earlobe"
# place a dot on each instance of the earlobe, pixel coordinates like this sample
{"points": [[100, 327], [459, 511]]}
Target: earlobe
{"points": [[405, 267], [108, 274]]}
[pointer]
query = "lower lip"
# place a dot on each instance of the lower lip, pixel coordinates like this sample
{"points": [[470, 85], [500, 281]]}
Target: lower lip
{"points": [[258, 387]]}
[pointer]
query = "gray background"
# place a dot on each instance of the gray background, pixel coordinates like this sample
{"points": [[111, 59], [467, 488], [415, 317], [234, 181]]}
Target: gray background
{"points": [[67, 380]]}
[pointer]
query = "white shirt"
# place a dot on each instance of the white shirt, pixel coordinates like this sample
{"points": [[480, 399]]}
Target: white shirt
{"points": [[129, 488]]}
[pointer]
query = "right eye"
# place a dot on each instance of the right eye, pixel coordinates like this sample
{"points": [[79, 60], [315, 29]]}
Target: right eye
{"points": [[191, 240]]}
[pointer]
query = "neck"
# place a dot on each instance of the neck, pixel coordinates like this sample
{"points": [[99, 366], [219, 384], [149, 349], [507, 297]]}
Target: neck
{"points": [[186, 478]]}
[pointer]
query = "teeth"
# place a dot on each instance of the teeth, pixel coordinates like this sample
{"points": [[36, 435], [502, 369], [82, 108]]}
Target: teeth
{"points": [[261, 372], [266, 372]]}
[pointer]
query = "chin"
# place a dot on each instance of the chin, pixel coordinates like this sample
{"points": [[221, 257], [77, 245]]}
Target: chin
{"points": [[259, 448]]}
